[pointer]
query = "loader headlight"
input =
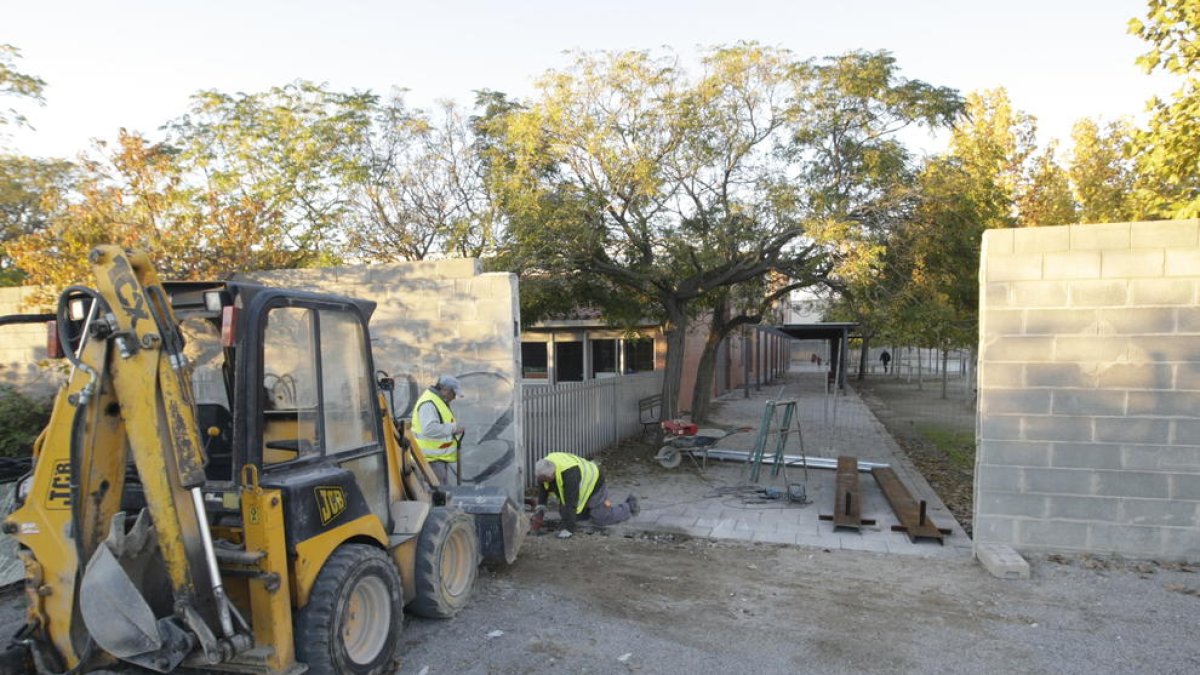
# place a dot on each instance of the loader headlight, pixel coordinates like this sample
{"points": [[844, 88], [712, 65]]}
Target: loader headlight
{"points": [[212, 301], [78, 308], [23, 489]]}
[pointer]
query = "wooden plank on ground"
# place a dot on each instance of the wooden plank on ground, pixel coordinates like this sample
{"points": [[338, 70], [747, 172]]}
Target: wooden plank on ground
{"points": [[913, 520], [847, 502]]}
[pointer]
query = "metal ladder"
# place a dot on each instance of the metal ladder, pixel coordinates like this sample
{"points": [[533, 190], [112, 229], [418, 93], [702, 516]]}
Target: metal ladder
{"points": [[754, 460]]}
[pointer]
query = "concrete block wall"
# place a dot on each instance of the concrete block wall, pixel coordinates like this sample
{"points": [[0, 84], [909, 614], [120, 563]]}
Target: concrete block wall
{"points": [[437, 317], [23, 346], [1089, 390]]}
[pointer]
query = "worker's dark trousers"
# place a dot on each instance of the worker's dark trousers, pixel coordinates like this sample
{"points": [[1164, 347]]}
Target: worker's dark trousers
{"points": [[600, 514]]}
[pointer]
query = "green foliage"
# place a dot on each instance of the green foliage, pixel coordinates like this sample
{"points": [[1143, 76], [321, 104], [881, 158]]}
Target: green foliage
{"points": [[1102, 176], [1048, 199], [33, 193], [14, 83], [21, 420], [1168, 157]]}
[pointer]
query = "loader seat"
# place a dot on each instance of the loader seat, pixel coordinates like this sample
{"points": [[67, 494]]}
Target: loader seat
{"points": [[219, 447]]}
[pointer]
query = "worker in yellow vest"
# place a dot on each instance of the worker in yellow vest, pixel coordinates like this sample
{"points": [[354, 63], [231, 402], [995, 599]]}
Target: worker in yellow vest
{"points": [[578, 485], [434, 426]]}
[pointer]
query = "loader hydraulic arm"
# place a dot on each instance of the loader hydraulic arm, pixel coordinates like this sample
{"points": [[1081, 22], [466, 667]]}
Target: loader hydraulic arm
{"points": [[129, 395]]}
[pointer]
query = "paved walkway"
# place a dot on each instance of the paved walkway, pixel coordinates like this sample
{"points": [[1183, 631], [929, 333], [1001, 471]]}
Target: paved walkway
{"points": [[721, 502]]}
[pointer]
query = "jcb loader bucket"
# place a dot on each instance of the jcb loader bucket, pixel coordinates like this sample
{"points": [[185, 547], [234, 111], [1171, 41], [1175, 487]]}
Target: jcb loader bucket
{"points": [[113, 600], [499, 524]]}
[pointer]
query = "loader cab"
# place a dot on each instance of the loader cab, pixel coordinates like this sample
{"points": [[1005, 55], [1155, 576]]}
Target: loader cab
{"points": [[283, 382]]}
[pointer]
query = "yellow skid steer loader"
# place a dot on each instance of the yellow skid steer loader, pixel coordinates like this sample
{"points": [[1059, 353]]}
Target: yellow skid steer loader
{"points": [[223, 487]]}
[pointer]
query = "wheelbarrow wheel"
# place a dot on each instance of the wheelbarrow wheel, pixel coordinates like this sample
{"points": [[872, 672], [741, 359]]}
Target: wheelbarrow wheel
{"points": [[669, 457]]}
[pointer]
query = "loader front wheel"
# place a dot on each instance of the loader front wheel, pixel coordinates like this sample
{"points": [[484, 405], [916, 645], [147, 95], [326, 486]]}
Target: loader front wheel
{"points": [[354, 615], [447, 562]]}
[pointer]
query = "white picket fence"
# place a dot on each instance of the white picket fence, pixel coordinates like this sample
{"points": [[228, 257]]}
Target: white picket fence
{"points": [[583, 418]]}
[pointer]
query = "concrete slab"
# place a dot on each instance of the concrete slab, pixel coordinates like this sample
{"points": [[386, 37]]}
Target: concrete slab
{"points": [[1002, 561], [722, 501]]}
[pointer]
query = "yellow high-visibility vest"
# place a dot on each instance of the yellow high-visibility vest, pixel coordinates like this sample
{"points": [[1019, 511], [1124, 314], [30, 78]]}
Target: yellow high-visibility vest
{"points": [[434, 449], [589, 474]]}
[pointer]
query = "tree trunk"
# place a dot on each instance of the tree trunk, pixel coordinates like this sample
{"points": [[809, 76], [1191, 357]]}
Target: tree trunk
{"points": [[945, 361], [702, 389], [676, 334], [862, 358]]}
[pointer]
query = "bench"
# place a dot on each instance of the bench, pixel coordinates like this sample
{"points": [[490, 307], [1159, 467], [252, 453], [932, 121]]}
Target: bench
{"points": [[650, 413]]}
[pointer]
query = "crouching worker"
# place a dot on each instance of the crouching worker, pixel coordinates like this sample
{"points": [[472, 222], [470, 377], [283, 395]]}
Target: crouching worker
{"points": [[578, 484]]}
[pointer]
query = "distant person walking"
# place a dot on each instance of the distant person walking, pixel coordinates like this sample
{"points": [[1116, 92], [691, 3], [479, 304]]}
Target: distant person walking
{"points": [[885, 358]]}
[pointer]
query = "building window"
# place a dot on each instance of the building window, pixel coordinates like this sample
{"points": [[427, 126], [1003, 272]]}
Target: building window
{"points": [[604, 358], [533, 360], [639, 356], [568, 361]]}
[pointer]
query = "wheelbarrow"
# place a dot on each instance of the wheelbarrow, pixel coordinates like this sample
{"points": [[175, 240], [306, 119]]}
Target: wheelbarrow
{"points": [[685, 439]]}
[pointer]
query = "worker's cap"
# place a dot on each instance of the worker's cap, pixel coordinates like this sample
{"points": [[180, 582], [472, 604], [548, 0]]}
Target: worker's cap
{"points": [[451, 382]]}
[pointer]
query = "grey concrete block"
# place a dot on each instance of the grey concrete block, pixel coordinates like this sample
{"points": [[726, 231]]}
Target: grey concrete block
{"points": [[1181, 459], [1091, 402], [988, 528], [1019, 348], [996, 294], [1021, 401], [1137, 320], [1131, 264], [1160, 348], [1164, 403], [1160, 512], [997, 241], [1141, 484], [1185, 431], [1101, 236], [1132, 430], [774, 537], [1053, 534], [1125, 540], [1014, 453], [728, 531], [1041, 239], [1061, 375], [1058, 321], [1064, 507], [1187, 375], [1013, 504], [1002, 561], [1159, 376], [1162, 292], [1013, 267], [1181, 262], [1090, 349], [1187, 319], [997, 322], [1000, 427], [993, 375], [1085, 456], [1071, 265], [1104, 293], [1185, 486], [1057, 428], [998, 478], [1044, 293], [1181, 545], [1060, 481], [1164, 234]]}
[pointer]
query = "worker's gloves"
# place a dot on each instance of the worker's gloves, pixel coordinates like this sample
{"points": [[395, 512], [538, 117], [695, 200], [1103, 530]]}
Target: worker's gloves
{"points": [[563, 534]]}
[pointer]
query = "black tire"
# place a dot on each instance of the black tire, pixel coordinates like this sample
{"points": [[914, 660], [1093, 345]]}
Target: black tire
{"points": [[354, 615], [447, 563]]}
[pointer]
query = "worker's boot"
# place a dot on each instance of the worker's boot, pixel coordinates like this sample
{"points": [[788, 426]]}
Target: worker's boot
{"points": [[634, 507]]}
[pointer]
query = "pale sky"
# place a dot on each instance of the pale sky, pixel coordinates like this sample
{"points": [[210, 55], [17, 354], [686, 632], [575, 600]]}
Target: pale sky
{"points": [[133, 63]]}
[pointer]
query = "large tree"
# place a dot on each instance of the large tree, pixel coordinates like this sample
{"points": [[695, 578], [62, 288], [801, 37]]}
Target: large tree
{"points": [[1168, 156], [1103, 177], [33, 193]]}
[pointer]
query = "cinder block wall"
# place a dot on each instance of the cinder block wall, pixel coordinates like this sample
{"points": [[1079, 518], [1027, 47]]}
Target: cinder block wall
{"points": [[1089, 390], [437, 317], [22, 346]]}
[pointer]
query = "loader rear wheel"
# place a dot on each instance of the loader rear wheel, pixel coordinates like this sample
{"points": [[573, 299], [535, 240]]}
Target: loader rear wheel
{"points": [[447, 561], [354, 615]]}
